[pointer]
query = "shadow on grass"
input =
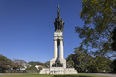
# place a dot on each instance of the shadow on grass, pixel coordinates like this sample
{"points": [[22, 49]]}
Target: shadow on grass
{"points": [[71, 76]]}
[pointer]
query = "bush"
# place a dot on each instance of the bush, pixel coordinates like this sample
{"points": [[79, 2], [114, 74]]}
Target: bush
{"points": [[24, 71], [38, 71]]}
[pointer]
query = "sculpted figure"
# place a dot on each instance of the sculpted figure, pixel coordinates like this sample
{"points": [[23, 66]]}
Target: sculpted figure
{"points": [[59, 25]]}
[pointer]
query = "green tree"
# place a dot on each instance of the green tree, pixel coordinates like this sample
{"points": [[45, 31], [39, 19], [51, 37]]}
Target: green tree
{"points": [[79, 60], [113, 45], [46, 64], [31, 68], [40, 68], [114, 65], [17, 64], [99, 64], [4, 63], [99, 18], [35, 63], [83, 62]]}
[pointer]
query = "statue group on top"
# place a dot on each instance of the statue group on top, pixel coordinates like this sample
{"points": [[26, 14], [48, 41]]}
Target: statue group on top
{"points": [[59, 25]]}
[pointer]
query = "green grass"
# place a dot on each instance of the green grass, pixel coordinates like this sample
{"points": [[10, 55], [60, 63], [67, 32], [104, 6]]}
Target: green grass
{"points": [[34, 72], [47, 75]]}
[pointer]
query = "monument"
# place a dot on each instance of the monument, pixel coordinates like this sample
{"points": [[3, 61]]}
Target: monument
{"points": [[58, 63]]}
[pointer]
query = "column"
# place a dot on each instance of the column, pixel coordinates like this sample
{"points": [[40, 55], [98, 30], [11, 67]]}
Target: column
{"points": [[57, 51], [61, 48], [55, 48]]}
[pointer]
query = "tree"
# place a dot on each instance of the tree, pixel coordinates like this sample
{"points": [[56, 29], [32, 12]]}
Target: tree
{"points": [[4, 63], [35, 63], [114, 65], [40, 68], [46, 64], [113, 45], [17, 64], [83, 62], [70, 60], [99, 64], [31, 68], [14, 66], [79, 60], [99, 18]]}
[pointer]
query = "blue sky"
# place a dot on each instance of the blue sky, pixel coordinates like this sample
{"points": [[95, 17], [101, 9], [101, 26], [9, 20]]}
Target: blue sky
{"points": [[27, 28]]}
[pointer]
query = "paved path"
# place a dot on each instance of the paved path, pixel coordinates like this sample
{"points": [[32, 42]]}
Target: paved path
{"points": [[104, 74]]}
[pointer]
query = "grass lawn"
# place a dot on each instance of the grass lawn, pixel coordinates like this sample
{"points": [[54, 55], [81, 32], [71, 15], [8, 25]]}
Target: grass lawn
{"points": [[47, 75]]}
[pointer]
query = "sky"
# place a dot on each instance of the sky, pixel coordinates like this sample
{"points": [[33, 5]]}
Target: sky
{"points": [[27, 28]]}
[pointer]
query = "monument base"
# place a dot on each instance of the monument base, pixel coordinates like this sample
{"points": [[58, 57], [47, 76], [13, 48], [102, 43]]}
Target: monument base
{"points": [[58, 70]]}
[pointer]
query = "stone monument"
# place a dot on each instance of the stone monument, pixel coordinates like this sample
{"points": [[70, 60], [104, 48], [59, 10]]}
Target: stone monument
{"points": [[58, 63]]}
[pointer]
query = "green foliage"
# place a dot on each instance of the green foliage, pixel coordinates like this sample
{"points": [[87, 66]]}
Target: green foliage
{"points": [[114, 39], [79, 60], [99, 18], [4, 63], [16, 64], [31, 68], [83, 62], [40, 68], [46, 64], [38, 71], [4, 59], [24, 71], [99, 64], [114, 65], [35, 63]]}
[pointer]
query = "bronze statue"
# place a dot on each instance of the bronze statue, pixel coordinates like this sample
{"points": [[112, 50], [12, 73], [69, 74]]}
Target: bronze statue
{"points": [[59, 25], [57, 63]]}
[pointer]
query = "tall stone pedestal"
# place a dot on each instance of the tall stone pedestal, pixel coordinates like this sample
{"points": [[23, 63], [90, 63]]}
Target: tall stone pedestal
{"points": [[58, 63]]}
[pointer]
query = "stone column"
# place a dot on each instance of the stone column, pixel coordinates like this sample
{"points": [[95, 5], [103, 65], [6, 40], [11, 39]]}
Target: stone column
{"points": [[55, 49], [61, 48]]}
